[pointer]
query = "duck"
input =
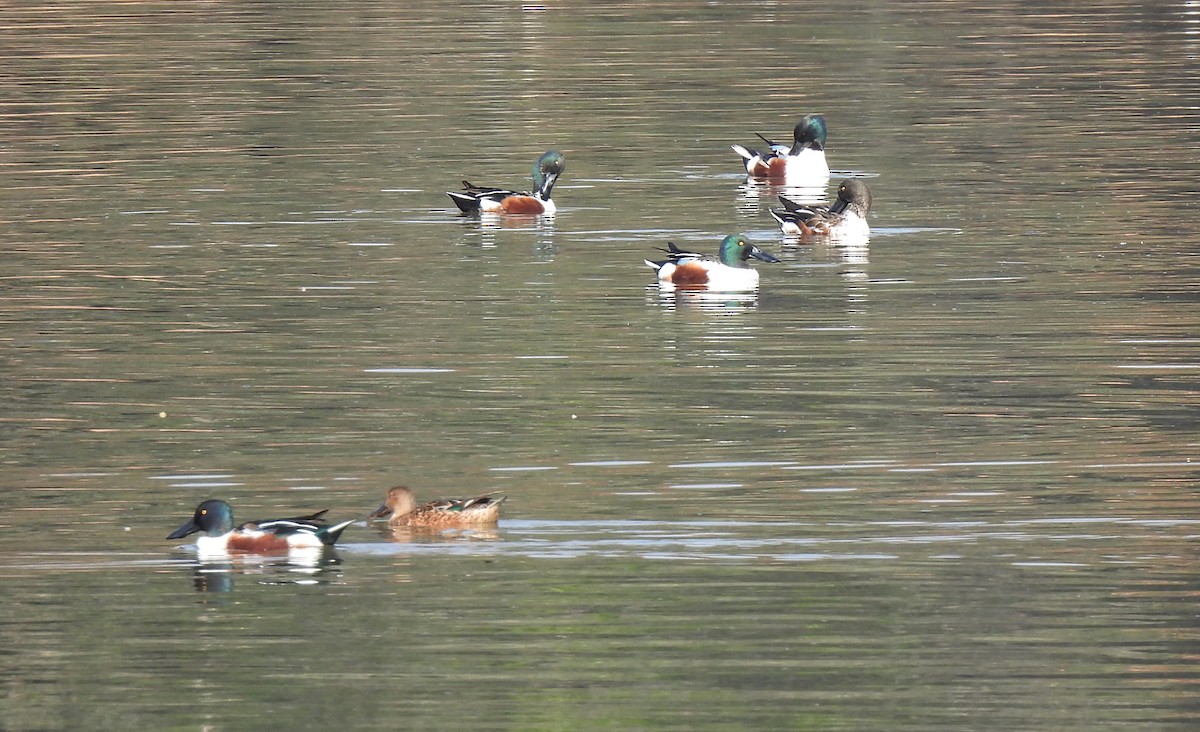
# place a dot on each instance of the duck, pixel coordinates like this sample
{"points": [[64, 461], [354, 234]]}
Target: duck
{"points": [[802, 164], [727, 272], [214, 517], [483, 199], [400, 505], [846, 219]]}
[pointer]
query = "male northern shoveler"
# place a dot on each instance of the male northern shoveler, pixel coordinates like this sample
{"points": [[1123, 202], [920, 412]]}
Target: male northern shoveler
{"points": [[546, 170], [846, 219], [801, 164], [215, 519], [402, 506], [687, 270]]}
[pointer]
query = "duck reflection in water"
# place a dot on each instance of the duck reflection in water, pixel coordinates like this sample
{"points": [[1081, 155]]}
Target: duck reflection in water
{"points": [[430, 535], [754, 193], [489, 230], [716, 303], [216, 575]]}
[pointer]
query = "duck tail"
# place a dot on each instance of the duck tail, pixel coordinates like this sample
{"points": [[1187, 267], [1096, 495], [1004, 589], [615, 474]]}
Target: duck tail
{"points": [[465, 202], [746, 154], [330, 534], [495, 498]]}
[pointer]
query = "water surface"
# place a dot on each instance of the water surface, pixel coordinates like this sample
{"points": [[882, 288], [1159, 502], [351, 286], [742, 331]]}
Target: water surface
{"points": [[943, 481]]}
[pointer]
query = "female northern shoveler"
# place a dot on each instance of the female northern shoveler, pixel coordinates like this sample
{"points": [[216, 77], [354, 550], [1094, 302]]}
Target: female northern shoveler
{"points": [[801, 164], [402, 506], [687, 270], [546, 170], [215, 519], [846, 219]]}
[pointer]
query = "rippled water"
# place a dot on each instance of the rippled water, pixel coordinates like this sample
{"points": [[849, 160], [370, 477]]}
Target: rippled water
{"points": [[942, 481]]}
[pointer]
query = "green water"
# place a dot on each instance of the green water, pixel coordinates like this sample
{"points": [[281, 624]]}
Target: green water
{"points": [[943, 482]]}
